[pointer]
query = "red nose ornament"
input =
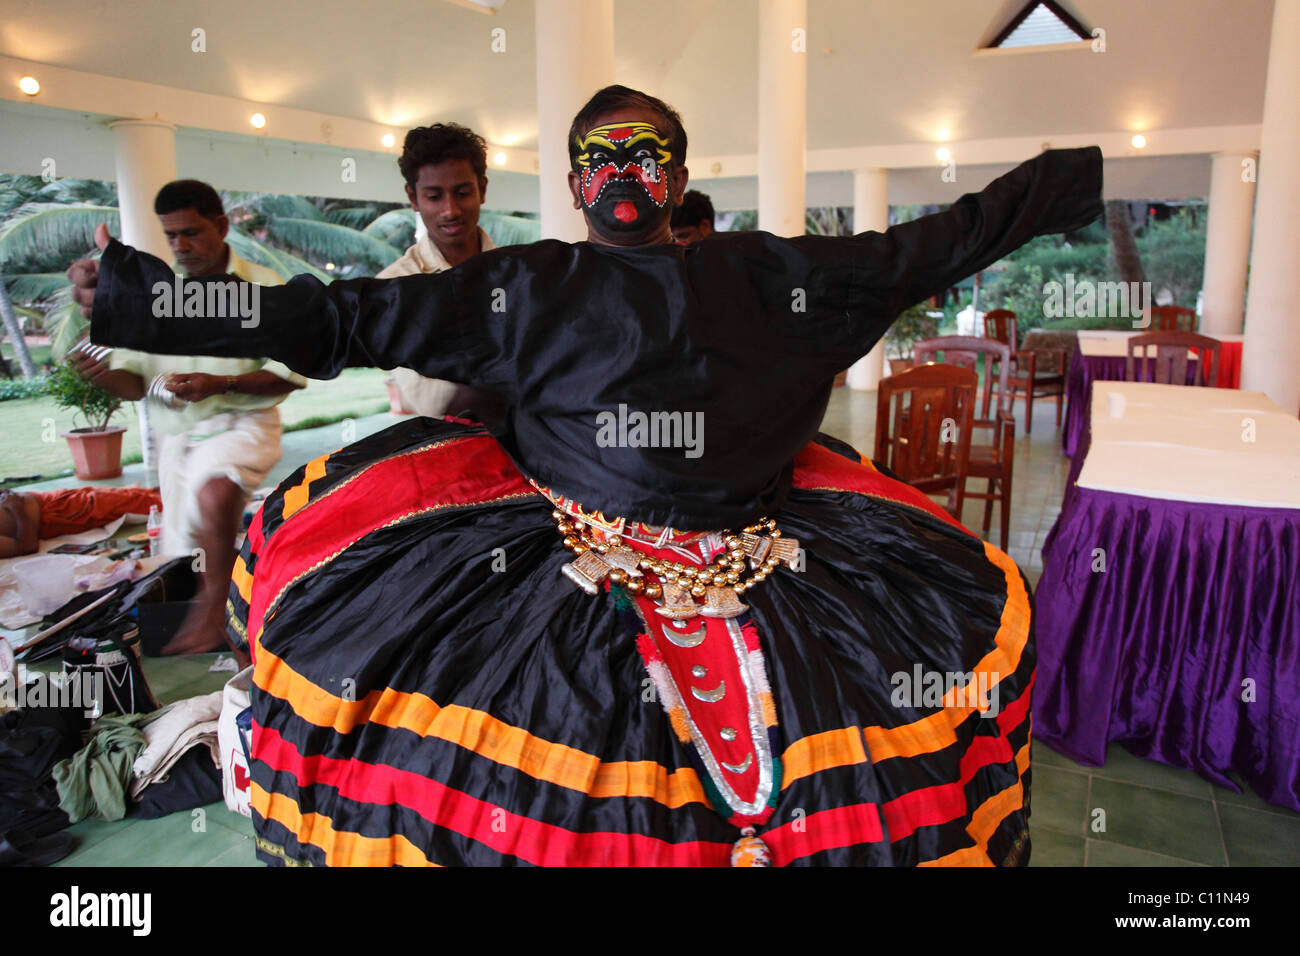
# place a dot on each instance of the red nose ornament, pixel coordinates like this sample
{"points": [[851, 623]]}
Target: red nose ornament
{"points": [[625, 211]]}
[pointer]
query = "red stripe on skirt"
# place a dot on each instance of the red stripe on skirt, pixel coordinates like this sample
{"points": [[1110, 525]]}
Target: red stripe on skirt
{"points": [[944, 802], [530, 840], [819, 467], [824, 830], [468, 471]]}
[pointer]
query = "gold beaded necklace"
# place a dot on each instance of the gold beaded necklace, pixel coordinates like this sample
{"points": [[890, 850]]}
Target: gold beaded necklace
{"points": [[719, 582]]}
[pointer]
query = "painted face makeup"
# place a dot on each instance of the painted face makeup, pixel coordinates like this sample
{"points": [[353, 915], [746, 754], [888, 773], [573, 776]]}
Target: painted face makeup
{"points": [[624, 172]]}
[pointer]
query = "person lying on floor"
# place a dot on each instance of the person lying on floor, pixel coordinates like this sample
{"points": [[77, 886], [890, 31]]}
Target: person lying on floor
{"points": [[28, 517]]}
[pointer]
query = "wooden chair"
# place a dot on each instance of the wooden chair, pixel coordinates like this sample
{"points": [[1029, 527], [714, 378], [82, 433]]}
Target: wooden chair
{"points": [[1031, 377], [992, 461], [923, 428], [1170, 358], [1173, 318]]}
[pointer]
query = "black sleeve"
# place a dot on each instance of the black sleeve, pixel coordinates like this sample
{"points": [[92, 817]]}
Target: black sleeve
{"points": [[1056, 191], [441, 325]]}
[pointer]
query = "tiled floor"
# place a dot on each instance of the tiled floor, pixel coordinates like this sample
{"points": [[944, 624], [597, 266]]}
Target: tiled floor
{"points": [[1131, 812]]}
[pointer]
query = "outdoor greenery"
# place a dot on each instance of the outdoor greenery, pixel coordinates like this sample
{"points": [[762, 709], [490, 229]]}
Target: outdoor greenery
{"points": [[31, 426], [44, 227], [69, 390], [23, 387], [913, 325]]}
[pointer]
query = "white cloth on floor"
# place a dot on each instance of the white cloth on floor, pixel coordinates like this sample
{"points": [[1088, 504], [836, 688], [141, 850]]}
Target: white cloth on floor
{"points": [[174, 730]]}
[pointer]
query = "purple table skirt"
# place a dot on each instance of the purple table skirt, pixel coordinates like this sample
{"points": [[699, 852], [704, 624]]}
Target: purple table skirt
{"points": [[1197, 611]]}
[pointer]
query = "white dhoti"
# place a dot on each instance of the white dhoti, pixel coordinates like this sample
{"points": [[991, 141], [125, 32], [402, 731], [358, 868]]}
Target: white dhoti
{"points": [[240, 446]]}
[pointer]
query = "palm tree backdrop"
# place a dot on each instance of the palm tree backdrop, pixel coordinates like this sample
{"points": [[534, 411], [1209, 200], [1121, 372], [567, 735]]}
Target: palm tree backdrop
{"points": [[45, 226]]}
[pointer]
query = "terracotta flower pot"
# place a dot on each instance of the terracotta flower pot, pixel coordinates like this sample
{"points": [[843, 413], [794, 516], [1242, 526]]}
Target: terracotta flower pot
{"points": [[96, 454]]}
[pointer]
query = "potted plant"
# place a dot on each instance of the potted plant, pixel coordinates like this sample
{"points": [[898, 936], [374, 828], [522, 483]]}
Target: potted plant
{"points": [[96, 448], [912, 325]]}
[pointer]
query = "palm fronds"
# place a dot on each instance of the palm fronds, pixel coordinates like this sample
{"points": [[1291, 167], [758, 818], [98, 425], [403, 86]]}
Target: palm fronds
{"points": [[33, 287], [45, 232], [284, 264], [332, 242], [395, 227], [507, 230]]}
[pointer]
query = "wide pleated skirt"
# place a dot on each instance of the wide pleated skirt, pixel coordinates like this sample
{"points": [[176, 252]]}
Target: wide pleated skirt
{"points": [[430, 689]]}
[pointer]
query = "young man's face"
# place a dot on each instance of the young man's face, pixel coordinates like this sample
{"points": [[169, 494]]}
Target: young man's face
{"points": [[197, 242], [690, 235], [625, 178], [448, 196]]}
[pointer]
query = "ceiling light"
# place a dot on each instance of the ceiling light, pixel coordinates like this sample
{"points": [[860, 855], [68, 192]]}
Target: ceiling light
{"points": [[258, 120], [1139, 141], [388, 140], [29, 85], [499, 158], [943, 154], [329, 266]]}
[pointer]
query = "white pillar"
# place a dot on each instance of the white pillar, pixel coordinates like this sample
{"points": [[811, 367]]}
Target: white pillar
{"points": [[870, 214], [145, 154], [782, 115], [145, 158], [1270, 360], [575, 58], [1227, 242]]}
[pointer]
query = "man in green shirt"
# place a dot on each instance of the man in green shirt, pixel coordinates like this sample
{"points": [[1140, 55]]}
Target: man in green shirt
{"points": [[219, 443]]}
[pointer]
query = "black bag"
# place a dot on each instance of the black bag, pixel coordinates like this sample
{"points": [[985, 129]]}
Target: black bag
{"points": [[32, 741], [101, 647], [103, 667]]}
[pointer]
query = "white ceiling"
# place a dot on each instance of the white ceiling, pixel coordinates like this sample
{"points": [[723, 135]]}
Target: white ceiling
{"points": [[880, 72]]}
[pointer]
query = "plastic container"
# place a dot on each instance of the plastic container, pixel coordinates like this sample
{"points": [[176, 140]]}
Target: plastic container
{"points": [[154, 530]]}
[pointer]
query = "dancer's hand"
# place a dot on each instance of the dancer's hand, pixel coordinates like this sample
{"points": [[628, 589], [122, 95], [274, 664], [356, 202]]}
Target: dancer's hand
{"points": [[84, 274]]}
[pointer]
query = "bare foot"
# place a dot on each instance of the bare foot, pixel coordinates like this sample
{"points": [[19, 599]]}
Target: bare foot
{"points": [[201, 633]]}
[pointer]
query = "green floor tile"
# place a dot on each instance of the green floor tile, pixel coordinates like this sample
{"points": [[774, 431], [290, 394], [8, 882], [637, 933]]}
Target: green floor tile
{"points": [[1101, 853], [1254, 838], [170, 841], [241, 854], [1058, 800], [1172, 824], [1042, 755], [90, 833], [1250, 800], [1050, 848], [1122, 765], [206, 684], [220, 815]]}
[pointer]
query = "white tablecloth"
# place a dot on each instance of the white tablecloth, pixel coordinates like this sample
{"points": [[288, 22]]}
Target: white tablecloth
{"points": [[1212, 445]]}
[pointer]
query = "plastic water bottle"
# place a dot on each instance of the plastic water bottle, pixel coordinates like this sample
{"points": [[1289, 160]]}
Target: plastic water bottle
{"points": [[154, 529]]}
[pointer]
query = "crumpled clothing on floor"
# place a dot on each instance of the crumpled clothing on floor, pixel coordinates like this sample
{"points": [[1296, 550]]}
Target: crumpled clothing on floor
{"points": [[170, 732], [94, 780]]}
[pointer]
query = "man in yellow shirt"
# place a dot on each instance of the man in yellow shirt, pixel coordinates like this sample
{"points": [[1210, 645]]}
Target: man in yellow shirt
{"points": [[219, 444], [445, 168]]}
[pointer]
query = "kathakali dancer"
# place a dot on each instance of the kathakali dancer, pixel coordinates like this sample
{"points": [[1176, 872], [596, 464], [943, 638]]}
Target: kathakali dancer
{"points": [[554, 646]]}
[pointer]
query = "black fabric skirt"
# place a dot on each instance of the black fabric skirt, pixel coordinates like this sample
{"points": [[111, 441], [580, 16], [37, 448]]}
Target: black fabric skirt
{"points": [[430, 689]]}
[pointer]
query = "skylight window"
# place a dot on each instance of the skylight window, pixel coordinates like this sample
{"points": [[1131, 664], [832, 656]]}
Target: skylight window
{"points": [[1040, 23]]}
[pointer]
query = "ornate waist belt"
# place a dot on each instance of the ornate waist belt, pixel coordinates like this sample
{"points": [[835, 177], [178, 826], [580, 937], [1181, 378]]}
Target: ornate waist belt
{"points": [[704, 660]]}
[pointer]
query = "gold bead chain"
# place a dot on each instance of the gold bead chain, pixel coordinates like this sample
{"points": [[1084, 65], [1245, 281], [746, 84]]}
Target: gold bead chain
{"points": [[726, 570]]}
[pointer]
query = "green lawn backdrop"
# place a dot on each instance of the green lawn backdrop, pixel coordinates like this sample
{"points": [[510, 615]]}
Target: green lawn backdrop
{"points": [[23, 422]]}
